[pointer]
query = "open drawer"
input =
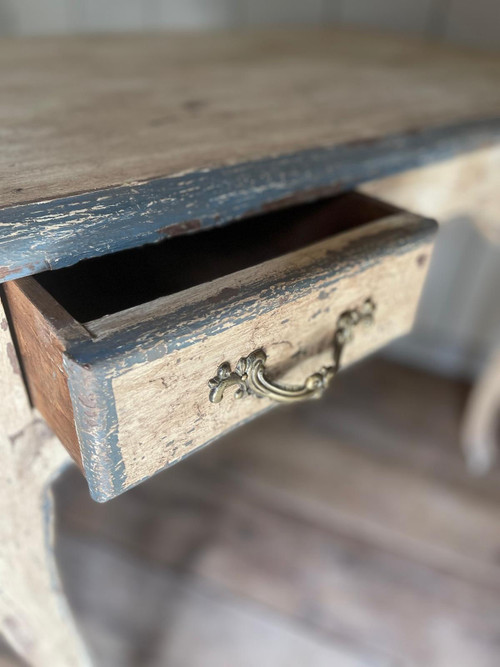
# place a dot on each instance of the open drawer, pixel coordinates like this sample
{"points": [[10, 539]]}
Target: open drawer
{"points": [[133, 358]]}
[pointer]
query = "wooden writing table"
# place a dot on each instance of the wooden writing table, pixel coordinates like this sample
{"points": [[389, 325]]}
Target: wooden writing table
{"points": [[110, 143]]}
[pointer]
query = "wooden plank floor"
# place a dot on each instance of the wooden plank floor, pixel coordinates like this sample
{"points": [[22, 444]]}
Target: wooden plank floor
{"points": [[344, 532]]}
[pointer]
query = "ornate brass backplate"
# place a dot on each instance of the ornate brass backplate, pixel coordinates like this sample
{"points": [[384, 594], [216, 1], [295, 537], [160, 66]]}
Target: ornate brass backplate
{"points": [[249, 376]]}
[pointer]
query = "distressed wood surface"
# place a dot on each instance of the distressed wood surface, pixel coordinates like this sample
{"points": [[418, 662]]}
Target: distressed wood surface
{"points": [[42, 340], [138, 378], [161, 356], [465, 186], [120, 140], [34, 617], [296, 333]]}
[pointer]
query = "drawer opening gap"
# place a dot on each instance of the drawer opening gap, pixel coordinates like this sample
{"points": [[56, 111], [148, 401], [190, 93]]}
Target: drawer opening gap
{"points": [[104, 285]]}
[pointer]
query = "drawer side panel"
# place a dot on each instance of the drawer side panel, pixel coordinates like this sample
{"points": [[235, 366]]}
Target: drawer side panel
{"points": [[42, 350]]}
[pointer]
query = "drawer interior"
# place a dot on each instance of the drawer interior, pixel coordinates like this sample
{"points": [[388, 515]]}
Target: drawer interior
{"points": [[105, 285]]}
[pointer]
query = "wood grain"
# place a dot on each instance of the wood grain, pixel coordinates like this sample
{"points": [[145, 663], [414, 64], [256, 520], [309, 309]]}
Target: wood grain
{"points": [[97, 112], [116, 138], [42, 330], [296, 326], [135, 382]]}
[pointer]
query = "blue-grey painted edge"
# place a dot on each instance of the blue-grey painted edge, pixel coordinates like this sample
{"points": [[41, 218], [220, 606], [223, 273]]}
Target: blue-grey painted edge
{"points": [[102, 499], [56, 233], [101, 455], [92, 364], [96, 422], [148, 340]]}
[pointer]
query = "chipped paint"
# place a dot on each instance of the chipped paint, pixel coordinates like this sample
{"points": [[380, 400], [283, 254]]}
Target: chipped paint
{"points": [[56, 233], [93, 364]]}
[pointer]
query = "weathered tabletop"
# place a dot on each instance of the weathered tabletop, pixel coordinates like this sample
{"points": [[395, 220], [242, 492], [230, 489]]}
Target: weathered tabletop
{"points": [[114, 141]]}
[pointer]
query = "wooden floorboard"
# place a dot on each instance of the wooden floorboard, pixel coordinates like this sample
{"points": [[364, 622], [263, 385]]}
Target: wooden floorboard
{"points": [[348, 529], [344, 532], [158, 617]]}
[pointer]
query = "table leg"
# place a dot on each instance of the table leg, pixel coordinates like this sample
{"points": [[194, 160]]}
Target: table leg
{"points": [[480, 426], [34, 616]]}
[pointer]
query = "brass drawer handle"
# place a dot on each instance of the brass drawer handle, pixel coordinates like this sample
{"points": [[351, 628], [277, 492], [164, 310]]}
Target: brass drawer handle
{"points": [[249, 375]]}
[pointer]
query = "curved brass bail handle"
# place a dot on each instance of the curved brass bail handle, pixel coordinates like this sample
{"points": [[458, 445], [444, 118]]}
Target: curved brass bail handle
{"points": [[259, 385], [249, 375]]}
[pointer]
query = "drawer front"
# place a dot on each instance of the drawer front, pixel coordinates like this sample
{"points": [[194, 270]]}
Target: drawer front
{"points": [[137, 381]]}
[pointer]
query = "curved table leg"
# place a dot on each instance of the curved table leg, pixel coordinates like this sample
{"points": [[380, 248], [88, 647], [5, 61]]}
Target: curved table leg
{"points": [[479, 429], [34, 616]]}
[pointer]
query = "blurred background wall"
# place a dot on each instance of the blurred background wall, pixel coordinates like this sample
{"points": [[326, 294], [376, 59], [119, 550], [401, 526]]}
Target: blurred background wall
{"points": [[471, 22], [459, 321]]}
